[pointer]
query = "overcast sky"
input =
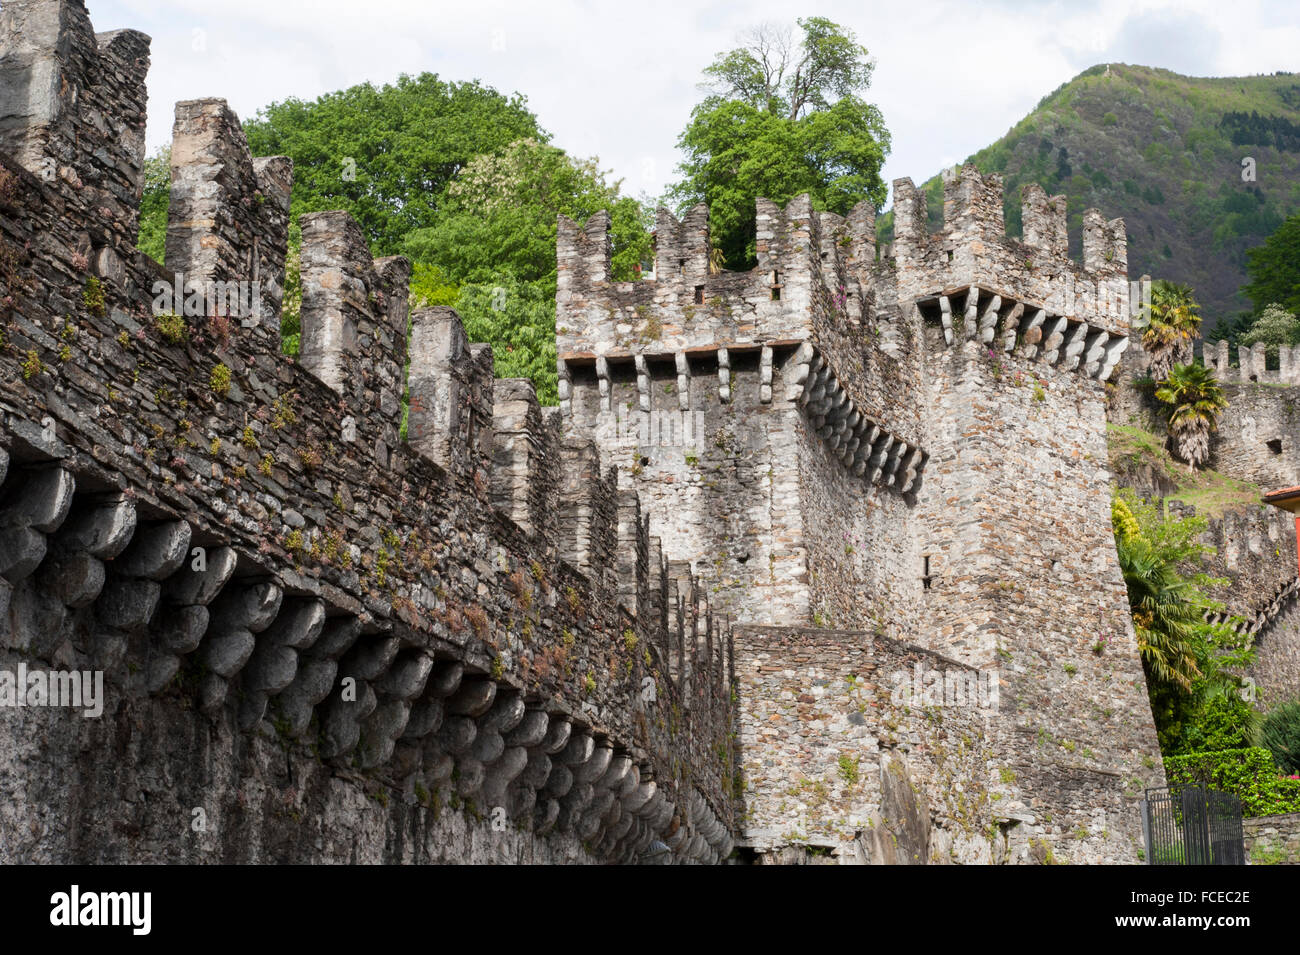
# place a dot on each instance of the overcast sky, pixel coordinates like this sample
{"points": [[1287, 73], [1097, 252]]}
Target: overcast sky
{"points": [[618, 80]]}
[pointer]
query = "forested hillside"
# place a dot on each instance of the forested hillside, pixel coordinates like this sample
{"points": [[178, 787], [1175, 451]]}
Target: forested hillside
{"points": [[1166, 153]]}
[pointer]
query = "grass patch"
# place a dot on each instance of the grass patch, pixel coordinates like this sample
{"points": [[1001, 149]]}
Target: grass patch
{"points": [[1210, 492]]}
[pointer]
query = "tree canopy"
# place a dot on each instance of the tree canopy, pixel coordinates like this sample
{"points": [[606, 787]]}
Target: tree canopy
{"points": [[1274, 326], [499, 216], [387, 154], [491, 254], [154, 200], [1172, 325], [1274, 269], [782, 117], [458, 178]]}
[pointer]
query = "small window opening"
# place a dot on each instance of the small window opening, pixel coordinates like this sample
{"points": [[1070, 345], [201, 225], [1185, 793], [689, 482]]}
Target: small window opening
{"points": [[699, 295], [950, 255], [926, 577], [776, 286], [1275, 445], [681, 266]]}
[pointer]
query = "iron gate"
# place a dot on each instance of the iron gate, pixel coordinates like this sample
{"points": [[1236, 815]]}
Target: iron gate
{"points": [[1188, 825]]}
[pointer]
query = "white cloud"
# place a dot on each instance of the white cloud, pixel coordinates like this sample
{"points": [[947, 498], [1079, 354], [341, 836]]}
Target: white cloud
{"points": [[619, 81]]}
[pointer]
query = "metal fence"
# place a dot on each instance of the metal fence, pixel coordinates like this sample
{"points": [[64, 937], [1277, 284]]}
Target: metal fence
{"points": [[1188, 825]]}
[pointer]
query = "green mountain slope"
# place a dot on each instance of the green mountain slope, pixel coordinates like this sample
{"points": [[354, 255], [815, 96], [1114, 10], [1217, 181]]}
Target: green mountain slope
{"points": [[1165, 152]]}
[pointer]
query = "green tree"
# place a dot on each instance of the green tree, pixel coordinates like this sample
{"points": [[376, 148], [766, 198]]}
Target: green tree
{"points": [[518, 319], [1274, 269], [1280, 734], [154, 202], [1171, 326], [498, 216], [782, 118], [1195, 399], [1165, 612], [291, 304], [491, 255], [387, 154], [1274, 326]]}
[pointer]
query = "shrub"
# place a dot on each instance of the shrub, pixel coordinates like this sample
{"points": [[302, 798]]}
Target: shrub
{"points": [[92, 296], [219, 380], [172, 328], [1249, 774], [1280, 735], [1222, 721]]}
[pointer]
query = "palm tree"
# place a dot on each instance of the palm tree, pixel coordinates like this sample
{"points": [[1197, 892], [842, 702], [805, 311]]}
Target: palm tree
{"points": [[1166, 615], [1195, 400], [1172, 324]]}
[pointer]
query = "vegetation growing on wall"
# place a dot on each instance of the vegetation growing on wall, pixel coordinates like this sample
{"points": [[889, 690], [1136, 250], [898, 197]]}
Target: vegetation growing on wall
{"points": [[1192, 666]]}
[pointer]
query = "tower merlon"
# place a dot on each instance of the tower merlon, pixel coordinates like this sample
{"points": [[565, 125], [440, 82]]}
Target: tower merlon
{"points": [[228, 214], [688, 304], [973, 250], [1043, 220], [451, 394], [72, 108]]}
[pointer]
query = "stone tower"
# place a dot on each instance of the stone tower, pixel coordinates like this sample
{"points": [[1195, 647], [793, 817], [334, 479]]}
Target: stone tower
{"points": [[851, 445]]}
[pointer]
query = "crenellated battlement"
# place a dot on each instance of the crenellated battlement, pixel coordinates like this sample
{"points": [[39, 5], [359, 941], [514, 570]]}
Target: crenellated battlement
{"points": [[686, 305], [974, 250], [72, 109], [1252, 363], [227, 218]]}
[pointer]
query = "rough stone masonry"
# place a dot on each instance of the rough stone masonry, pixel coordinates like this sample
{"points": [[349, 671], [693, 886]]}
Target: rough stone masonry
{"points": [[709, 608]]}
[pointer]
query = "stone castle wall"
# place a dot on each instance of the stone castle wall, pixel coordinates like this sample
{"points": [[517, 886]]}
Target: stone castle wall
{"points": [[1273, 840], [862, 461], [874, 750], [337, 644], [1254, 547]]}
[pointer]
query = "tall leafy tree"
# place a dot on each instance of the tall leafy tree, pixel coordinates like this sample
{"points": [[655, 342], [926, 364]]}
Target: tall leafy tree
{"points": [[1194, 399], [491, 255], [387, 154], [1172, 325], [783, 116], [1274, 269], [1274, 326], [499, 214]]}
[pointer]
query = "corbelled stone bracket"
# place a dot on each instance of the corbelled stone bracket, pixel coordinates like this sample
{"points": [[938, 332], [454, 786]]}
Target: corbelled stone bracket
{"points": [[1027, 330], [863, 446], [1267, 612]]}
